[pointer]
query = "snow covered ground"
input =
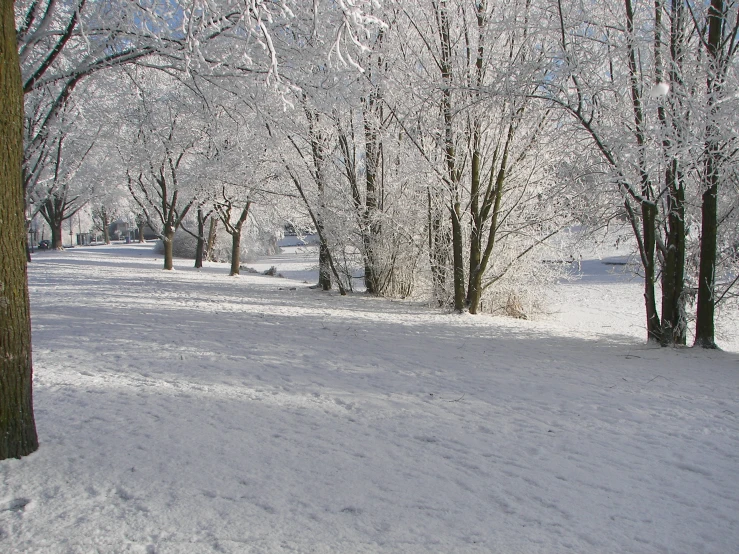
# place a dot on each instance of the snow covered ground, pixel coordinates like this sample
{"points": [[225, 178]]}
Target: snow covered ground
{"points": [[189, 412]]}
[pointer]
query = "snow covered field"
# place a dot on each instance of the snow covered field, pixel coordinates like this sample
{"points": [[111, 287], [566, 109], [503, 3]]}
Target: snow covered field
{"points": [[189, 412]]}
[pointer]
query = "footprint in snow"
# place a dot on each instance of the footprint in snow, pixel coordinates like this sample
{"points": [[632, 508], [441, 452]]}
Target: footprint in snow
{"points": [[15, 505]]}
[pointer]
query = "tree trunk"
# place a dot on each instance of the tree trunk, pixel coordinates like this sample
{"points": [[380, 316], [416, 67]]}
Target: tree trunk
{"points": [[372, 114], [17, 426], [201, 240], [476, 223], [438, 242], [673, 270], [52, 211], [649, 208], [458, 258], [106, 225], [453, 173], [236, 242], [704, 318], [212, 233], [168, 242], [649, 226], [324, 266], [235, 252]]}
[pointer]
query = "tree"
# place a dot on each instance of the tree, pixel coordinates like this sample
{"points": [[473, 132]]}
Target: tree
{"points": [[667, 143], [60, 198], [17, 426], [200, 250], [640, 134], [162, 167], [101, 219], [225, 209], [471, 71], [719, 36]]}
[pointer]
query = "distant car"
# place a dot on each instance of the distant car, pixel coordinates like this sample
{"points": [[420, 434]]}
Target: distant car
{"points": [[44, 245]]}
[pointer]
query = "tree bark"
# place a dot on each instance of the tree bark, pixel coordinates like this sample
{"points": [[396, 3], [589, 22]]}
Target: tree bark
{"points": [[704, 319], [649, 209], [235, 252], [235, 231], [201, 239], [453, 173], [105, 224], [52, 210], [212, 233], [705, 313], [673, 267], [168, 242], [372, 115], [17, 426]]}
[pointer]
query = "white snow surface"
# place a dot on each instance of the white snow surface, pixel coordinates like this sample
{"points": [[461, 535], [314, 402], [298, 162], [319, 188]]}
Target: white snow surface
{"points": [[192, 412]]}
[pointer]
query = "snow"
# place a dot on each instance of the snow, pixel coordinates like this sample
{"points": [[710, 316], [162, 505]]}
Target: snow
{"points": [[659, 90], [189, 411]]}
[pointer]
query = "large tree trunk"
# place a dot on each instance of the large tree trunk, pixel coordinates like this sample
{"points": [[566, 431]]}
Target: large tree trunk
{"points": [[235, 252], [105, 220], [212, 234], [673, 120], [52, 210], [324, 265], [17, 426], [704, 319], [168, 242], [673, 270], [57, 234]]}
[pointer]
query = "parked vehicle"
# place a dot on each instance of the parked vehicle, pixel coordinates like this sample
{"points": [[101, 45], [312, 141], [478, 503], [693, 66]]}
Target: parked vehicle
{"points": [[44, 245]]}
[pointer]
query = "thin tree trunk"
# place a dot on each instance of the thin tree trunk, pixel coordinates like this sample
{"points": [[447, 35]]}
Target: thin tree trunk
{"points": [[17, 426], [649, 226], [450, 155], [373, 116], [438, 251], [649, 208], [705, 314], [201, 240]]}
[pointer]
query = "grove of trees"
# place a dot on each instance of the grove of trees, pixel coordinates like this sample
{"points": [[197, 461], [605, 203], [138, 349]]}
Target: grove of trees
{"points": [[438, 148]]}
